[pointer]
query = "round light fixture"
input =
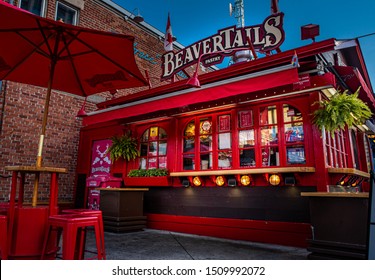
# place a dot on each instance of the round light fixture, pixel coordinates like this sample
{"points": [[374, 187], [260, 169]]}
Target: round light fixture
{"points": [[197, 181], [274, 180], [245, 180], [220, 181]]}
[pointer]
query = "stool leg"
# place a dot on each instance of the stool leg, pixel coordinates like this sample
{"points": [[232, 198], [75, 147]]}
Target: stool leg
{"points": [[69, 241], [45, 242], [98, 242], [101, 229]]}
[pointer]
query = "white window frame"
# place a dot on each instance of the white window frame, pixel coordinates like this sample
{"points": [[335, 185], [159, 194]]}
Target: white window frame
{"points": [[70, 7], [43, 7]]}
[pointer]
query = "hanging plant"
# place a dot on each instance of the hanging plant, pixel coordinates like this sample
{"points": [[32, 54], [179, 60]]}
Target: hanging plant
{"points": [[123, 146], [341, 110]]}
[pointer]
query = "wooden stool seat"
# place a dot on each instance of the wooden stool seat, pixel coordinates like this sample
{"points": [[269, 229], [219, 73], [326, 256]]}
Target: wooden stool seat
{"points": [[72, 227], [90, 212], [3, 237]]}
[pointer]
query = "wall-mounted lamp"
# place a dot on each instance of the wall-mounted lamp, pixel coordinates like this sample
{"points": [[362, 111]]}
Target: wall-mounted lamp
{"points": [[274, 179], [197, 181], [244, 180], [220, 181], [136, 18], [82, 113]]}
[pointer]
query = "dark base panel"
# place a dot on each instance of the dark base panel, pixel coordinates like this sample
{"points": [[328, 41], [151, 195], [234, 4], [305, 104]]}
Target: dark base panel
{"points": [[328, 250], [128, 224], [283, 204]]}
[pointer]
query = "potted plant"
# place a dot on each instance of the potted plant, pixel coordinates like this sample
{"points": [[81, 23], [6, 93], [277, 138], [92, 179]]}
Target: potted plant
{"points": [[123, 147], [341, 110], [148, 177]]}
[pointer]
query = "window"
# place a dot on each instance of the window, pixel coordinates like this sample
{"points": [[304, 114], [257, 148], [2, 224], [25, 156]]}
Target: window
{"points": [[224, 141], [153, 148], [249, 137], [34, 6], [66, 13], [246, 138], [336, 154], [269, 136], [199, 133], [294, 135]]}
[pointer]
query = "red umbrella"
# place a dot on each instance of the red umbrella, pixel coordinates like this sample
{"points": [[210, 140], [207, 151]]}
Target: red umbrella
{"points": [[51, 54]]}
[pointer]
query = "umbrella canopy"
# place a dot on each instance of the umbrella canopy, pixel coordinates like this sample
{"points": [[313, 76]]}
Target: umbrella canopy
{"points": [[51, 54]]}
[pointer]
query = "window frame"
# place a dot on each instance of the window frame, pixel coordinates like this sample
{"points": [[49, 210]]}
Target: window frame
{"points": [[70, 7], [236, 149], [43, 7], [157, 156]]}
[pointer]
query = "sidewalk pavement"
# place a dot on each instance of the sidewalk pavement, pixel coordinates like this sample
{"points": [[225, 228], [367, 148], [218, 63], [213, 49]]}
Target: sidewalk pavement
{"points": [[164, 245]]}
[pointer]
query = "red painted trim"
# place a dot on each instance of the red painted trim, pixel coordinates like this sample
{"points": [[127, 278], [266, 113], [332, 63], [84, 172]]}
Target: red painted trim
{"points": [[282, 233], [251, 84], [226, 73]]}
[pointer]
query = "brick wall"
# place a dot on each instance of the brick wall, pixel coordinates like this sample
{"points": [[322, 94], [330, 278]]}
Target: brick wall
{"points": [[21, 109]]}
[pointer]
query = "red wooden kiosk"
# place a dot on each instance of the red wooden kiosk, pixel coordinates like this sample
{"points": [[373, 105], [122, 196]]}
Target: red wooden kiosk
{"points": [[241, 147]]}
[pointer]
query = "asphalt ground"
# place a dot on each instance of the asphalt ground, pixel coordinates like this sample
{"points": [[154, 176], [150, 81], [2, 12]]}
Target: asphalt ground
{"points": [[151, 244]]}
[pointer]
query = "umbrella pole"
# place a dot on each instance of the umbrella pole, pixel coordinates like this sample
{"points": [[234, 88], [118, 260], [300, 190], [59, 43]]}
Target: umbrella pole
{"points": [[41, 138]]}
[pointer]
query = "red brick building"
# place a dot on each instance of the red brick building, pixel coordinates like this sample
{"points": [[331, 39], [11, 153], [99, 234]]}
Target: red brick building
{"points": [[21, 106]]}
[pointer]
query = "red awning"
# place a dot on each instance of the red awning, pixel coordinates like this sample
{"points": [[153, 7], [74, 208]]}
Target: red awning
{"points": [[353, 78], [217, 90]]}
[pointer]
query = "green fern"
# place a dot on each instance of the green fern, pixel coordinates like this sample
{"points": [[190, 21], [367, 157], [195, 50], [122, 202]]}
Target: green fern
{"points": [[123, 146], [341, 110]]}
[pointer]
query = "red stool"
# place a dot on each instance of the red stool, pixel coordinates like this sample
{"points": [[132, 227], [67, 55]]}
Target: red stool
{"points": [[73, 227], [95, 213], [3, 237]]}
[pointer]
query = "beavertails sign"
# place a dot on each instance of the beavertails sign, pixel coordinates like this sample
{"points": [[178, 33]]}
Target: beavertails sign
{"points": [[264, 37]]}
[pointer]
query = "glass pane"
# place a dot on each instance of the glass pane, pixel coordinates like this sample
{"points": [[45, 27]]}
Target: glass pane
{"points": [[294, 132], [225, 159], [295, 155], [188, 162], [190, 129], [152, 163], [189, 145], [144, 137], [205, 126], [291, 114], [225, 141], [162, 148], [143, 151], [162, 134], [206, 161], [246, 138], [269, 135], [245, 118], [143, 163], [162, 162], [205, 143], [66, 14], [154, 131], [247, 158], [224, 123], [34, 6], [268, 115], [270, 156], [152, 148]]}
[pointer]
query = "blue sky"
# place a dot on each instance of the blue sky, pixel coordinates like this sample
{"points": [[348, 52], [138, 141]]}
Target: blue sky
{"points": [[194, 20]]}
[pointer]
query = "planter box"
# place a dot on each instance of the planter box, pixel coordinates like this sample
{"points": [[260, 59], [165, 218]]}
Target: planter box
{"points": [[162, 181]]}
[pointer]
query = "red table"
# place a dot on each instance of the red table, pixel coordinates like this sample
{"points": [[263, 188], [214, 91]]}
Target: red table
{"points": [[27, 224]]}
